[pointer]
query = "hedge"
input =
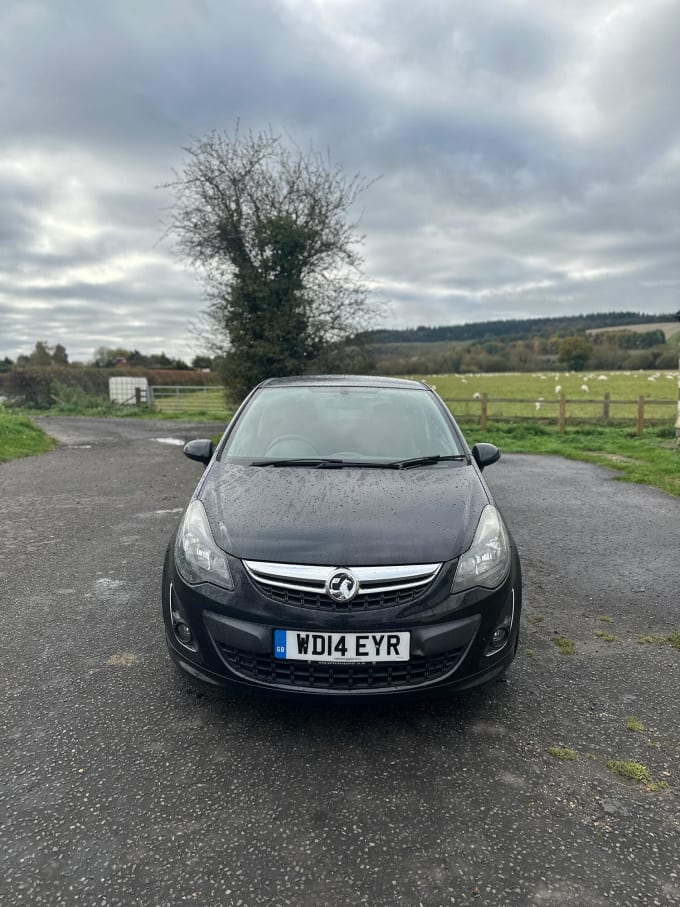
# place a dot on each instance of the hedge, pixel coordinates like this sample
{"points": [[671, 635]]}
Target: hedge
{"points": [[34, 386]]}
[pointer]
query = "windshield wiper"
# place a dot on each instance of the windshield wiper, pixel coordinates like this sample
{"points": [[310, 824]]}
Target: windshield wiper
{"points": [[313, 462], [331, 463], [425, 461], [327, 463]]}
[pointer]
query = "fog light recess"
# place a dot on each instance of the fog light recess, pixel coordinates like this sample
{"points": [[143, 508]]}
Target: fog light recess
{"points": [[180, 626], [499, 637], [183, 632], [501, 634]]}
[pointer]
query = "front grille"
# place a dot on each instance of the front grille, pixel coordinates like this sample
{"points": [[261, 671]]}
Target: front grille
{"points": [[319, 602], [322, 676], [304, 586]]}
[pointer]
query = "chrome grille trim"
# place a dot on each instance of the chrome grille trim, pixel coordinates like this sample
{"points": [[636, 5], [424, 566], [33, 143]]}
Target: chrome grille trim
{"points": [[304, 585], [313, 579]]}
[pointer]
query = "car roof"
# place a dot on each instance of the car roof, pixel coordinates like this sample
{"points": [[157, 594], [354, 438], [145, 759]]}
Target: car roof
{"points": [[344, 381]]}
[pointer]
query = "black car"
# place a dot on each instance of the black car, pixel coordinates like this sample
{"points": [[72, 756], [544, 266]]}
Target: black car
{"points": [[342, 542]]}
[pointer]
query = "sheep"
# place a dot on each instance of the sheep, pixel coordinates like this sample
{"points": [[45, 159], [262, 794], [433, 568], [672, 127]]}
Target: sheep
{"points": [[558, 388], [477, 396], [585, 388], [602, 378], [537, 405]]}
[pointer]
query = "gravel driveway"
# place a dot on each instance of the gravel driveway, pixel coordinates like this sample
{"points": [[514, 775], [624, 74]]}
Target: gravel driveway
{"points": [[122, 784]]}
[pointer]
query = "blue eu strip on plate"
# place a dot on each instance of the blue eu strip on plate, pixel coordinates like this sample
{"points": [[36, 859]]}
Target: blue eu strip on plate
{"points": [[279, 643]]}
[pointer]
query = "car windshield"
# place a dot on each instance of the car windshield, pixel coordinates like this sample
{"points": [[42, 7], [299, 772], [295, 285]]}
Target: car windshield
{"points": [[342, 423]]}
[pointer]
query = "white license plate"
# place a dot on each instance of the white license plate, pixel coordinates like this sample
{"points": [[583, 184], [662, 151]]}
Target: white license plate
{"points": [[301, 645]]}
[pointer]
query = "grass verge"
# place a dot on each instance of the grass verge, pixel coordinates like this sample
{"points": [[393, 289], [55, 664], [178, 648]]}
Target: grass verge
{"points": [[650, 459], [19, 437]]}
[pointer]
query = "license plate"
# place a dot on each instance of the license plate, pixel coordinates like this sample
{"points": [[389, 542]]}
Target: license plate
{"points": [[301, 645]]}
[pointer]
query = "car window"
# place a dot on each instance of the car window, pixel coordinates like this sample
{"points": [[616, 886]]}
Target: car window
{"points": [[346, 422]]}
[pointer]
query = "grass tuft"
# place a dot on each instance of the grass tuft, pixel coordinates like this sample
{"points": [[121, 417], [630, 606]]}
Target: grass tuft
{"points": [[606, 636], [672, 638], [636, 771], [565, 753], [634, 724], [564, 645]]}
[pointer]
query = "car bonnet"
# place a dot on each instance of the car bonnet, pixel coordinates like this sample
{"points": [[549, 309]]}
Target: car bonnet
{"points": [[349, 516]]}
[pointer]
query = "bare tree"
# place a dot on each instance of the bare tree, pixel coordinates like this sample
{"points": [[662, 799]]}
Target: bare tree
{"points": [[271, 231]]}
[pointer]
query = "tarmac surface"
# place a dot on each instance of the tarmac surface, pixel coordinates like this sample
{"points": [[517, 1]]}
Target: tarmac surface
{"points": [[123, 784]]}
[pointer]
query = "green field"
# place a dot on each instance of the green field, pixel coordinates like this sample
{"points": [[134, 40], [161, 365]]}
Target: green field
{"points": [[511, 396], [535, 388]]}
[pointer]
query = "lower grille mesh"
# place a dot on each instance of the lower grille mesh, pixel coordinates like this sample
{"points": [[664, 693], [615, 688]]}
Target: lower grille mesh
{"points": [[317, 675]]}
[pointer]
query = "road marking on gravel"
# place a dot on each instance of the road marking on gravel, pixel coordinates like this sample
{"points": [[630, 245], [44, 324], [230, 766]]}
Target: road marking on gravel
{"points": [[177, 441], [173, 510]]}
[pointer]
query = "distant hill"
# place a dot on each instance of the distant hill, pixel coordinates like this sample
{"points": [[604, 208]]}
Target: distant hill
{"points": [[669, 328], [525, 328]]}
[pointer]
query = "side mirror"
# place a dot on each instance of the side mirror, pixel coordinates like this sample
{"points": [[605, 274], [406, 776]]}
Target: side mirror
{"points": [[485, 454], [200, 450]]}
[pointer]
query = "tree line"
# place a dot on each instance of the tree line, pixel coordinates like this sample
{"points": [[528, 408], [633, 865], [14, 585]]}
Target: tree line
{"points": [[626, 350], [44, 355], [515, 328]]}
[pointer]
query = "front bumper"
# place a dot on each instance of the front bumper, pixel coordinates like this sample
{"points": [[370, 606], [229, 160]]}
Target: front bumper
{"points": [[233, 633]]}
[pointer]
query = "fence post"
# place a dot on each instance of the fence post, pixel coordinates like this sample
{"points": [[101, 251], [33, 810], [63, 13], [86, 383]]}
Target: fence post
{"points": [[605, 406], [562, 420], [640, 415], [485, 412], [138, 396]]}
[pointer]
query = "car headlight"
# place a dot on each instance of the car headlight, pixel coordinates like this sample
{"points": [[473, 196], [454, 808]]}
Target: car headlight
{"points": [[197, 557], [487, 560]]}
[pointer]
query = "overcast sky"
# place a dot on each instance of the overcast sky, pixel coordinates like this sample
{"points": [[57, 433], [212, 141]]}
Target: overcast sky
{"points": [[529, 152]]}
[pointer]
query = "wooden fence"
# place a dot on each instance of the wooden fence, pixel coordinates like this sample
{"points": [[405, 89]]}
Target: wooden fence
{"points": [[644, 412], [558, 411]]}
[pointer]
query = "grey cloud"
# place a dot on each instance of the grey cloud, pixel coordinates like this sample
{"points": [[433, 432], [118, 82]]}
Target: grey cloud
{"points": [[516, 142]]}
